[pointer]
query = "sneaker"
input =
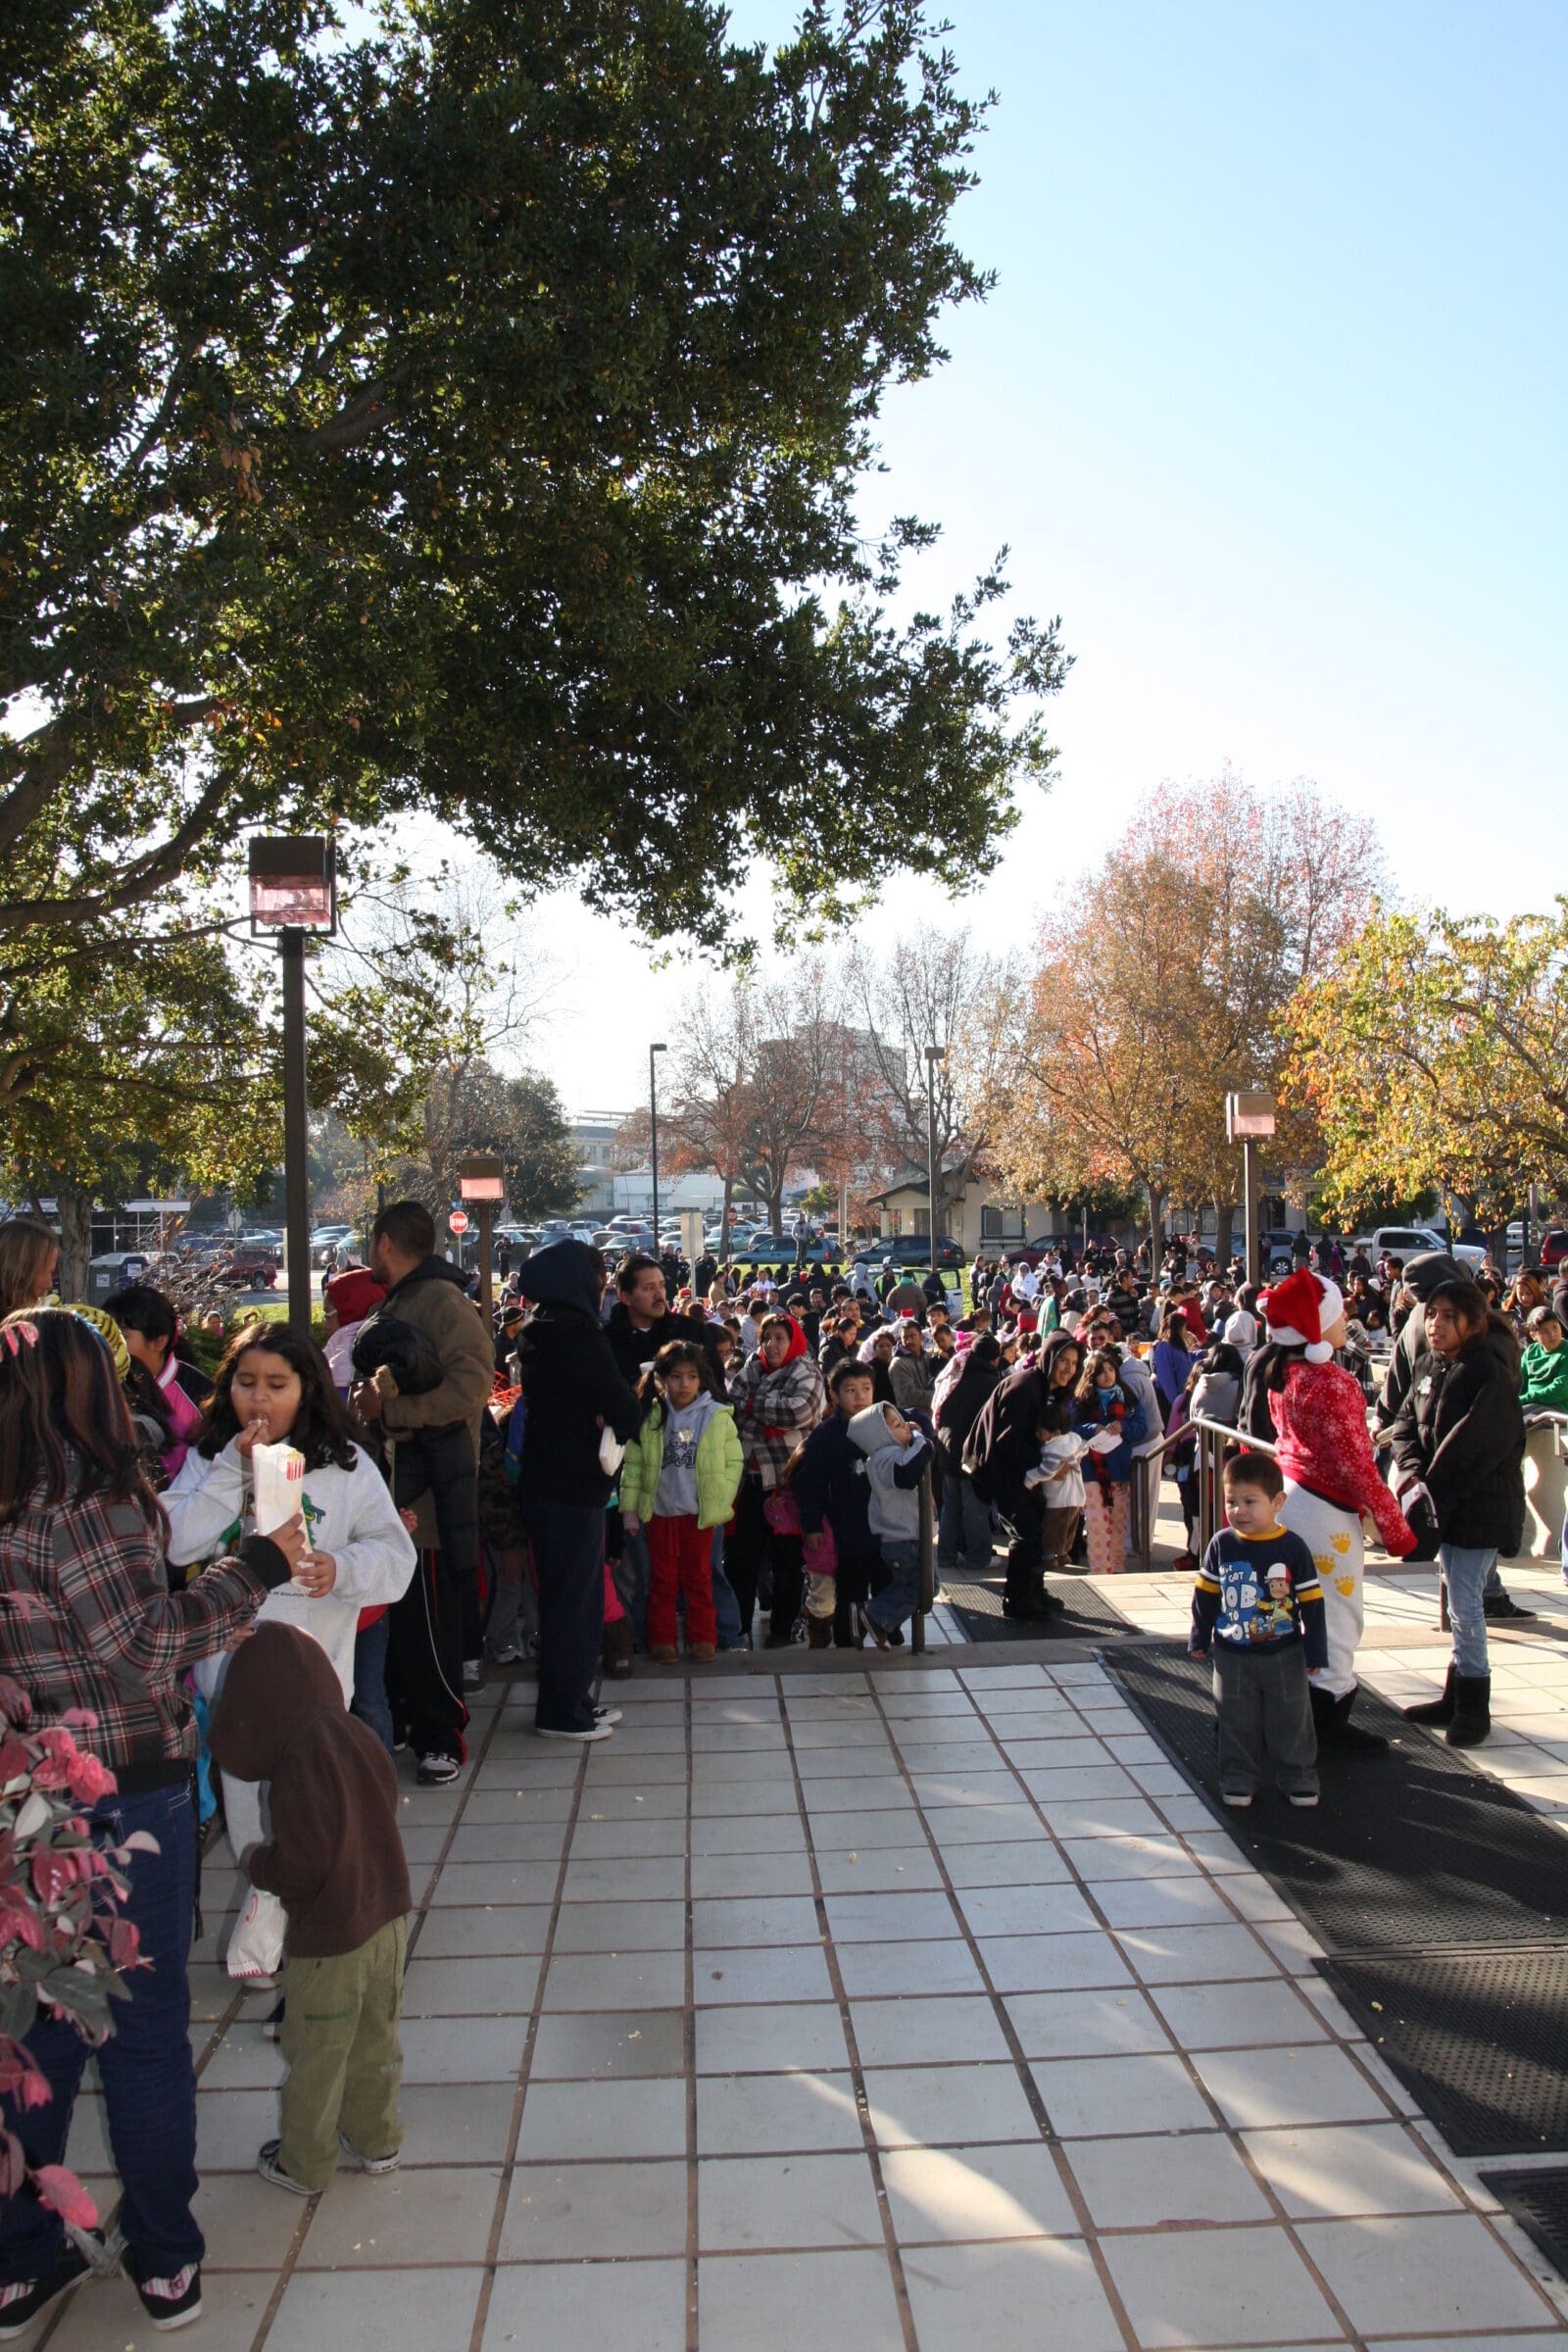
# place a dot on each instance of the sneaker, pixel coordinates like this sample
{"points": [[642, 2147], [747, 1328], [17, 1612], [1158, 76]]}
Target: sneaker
{"points": [[595, 1730], [896, 1637], [1304, 1797], [267, 2166], [879, 1633], [1237, 1798], [508, 1654], [474, 1674], [170, 2303], [272, 2023], [399, 1743], [367, 2164], [24, 2302], [437, 1769], [609, 1715], [1495, 1605]]}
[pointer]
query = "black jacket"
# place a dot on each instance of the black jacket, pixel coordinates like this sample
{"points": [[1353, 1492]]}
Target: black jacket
{"points": [[1461, 1430], [571, 1381], [633, 1349], [1005, 1442]]}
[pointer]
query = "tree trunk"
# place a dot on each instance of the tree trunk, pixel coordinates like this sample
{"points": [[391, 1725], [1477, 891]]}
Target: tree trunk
{"points": [[1224, 1217], [74, 1205], [775, 1208], [727, 1245]]}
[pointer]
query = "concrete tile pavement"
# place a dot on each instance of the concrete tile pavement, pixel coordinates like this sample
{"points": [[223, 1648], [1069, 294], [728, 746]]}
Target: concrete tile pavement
{"points": [[951, 2048]]}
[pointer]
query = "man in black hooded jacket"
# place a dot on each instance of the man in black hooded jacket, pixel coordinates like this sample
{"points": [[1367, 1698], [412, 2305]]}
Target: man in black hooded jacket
{"points": [[576, 1393]]}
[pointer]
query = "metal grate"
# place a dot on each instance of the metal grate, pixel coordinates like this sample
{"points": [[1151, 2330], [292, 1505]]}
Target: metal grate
{"points": [[1411, 1851], [1083, 1611], [1476, 2035], [1539, 2203]]}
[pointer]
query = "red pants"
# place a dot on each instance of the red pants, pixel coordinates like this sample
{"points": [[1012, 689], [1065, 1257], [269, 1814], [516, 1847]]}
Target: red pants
{"points": [[680, 1558]]}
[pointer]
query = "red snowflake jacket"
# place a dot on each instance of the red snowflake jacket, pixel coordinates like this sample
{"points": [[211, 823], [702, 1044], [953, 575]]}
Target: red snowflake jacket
{"points": [[1320, 1417]]}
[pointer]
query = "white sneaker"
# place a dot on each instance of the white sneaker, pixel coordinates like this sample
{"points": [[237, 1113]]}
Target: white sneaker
{"points": [[1237, 1803], [599, 1731], [472, 1674], [367, 2164], [609, 1715]]}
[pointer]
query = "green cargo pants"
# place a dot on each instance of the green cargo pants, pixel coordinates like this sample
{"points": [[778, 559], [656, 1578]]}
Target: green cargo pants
{"points": [[345, 2062]]}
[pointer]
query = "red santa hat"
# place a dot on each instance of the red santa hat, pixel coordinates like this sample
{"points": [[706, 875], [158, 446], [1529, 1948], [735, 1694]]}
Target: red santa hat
{"points": [[1300, 1308]]}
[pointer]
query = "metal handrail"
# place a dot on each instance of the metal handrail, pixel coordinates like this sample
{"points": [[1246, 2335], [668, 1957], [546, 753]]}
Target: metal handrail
{"points": [[1213, 1438]]}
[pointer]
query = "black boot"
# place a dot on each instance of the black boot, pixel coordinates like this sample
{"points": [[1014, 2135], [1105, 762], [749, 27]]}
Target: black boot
{"points": [[1501, 1604], [1436, 1710], [1027, 1603], [1472, 1710], [1331, 1721], [614, 1649]]}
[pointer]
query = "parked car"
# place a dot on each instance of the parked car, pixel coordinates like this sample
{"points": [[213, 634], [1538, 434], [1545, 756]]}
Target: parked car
{"points": [[778, 1250], [1402, 1242], [249, 1266], [1553, 1248], [915, 1250], [325, 1240]]}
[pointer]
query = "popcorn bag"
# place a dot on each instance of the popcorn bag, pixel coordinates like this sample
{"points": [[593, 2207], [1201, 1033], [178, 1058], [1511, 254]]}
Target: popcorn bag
{"points": [[277, 1482]]}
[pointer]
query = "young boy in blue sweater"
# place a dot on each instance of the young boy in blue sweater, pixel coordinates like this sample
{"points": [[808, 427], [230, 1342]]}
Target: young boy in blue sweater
{"points": [[1258, 1610]]}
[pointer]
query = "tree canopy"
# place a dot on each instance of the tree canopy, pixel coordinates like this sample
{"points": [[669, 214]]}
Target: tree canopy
{"points": [[1435, 1056], [468, 416]]}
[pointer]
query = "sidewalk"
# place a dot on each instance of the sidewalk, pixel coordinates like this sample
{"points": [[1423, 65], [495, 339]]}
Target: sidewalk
{"points": [[910, 2006]]}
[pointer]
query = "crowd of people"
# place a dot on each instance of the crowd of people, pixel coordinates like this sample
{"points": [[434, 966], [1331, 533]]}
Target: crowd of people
{"points": [[642, 1459]]}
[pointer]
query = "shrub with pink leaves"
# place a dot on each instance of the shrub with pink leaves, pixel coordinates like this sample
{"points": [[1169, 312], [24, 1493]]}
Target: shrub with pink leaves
{"points": [[63, 1941]]}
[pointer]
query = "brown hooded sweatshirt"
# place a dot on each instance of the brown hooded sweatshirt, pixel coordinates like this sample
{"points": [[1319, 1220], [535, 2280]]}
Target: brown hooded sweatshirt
{"points": [[335, 1860]]}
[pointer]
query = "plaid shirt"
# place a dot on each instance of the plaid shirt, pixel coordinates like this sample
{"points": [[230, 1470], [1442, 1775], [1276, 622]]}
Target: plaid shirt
{"points": [[87, 1620], [775, 1410]]}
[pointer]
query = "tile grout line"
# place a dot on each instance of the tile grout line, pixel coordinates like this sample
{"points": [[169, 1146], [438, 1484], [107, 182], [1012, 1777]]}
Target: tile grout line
{"points": [[863, 2103], [1010, 2035], [689, 2050], [1184, 2056], [509, 2159]]}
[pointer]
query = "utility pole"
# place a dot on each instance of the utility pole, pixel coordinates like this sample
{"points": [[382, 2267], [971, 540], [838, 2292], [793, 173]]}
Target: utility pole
{"points": [[653, 1130]]}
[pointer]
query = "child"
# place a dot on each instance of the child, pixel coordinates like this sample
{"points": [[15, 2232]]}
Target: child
{"points": [[897, 1457], [273, 1385], [1104, 1404], [1543, 1367], [1258, 1598], [680, 1476], [335, 1862], [831, 1496], [1062, 1451]]}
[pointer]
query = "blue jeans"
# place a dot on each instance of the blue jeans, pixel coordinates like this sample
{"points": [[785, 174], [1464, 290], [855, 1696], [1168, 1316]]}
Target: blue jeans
{"points": [[896, 1603], [964, 1530], [370, 1702], [1466, 1573], [726, 1608], [149, 2075]]}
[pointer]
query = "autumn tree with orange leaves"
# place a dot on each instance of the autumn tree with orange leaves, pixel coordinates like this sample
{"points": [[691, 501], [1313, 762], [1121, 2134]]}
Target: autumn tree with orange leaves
{"points": [[1160, 985]]}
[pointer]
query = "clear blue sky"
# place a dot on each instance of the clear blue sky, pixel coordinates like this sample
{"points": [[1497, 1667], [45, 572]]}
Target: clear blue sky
{"points": [[1268, 402]]}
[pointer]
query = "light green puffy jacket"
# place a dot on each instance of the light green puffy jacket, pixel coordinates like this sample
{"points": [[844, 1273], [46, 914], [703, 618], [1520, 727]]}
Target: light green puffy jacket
{"points": [[720, 1462]]}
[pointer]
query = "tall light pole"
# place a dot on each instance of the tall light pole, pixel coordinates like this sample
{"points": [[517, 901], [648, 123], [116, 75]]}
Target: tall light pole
{"points": [[933, 1055], [481, 1179], [653, 1130], [293, 890]]}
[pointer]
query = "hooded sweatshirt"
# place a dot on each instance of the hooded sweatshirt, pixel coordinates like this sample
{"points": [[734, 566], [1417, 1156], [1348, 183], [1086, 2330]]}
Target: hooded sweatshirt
{"points": [[571, 1381], [894, 1472], [334, 1859]]}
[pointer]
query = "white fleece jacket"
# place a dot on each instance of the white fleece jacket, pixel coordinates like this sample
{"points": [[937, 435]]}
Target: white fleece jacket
{"points": [[349, 1514]]}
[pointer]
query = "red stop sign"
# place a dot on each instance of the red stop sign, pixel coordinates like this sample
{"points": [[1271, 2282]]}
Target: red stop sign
{"points": [[459, 1220]]}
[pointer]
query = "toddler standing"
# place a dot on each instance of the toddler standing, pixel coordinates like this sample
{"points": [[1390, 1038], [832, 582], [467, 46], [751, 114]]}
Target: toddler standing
{"points": [[1259, 1605], [335, 1862], [681, 1474]]}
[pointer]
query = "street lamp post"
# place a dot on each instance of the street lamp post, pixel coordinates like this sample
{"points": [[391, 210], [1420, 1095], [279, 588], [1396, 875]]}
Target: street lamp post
{"points": [[293, 890], [653, 1131], [1247, 1119], [933, 1055], [482, 1180]]}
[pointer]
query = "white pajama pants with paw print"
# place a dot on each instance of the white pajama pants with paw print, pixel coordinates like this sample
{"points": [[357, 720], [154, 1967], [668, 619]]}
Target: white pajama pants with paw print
{"points": [[1333, 1539]]}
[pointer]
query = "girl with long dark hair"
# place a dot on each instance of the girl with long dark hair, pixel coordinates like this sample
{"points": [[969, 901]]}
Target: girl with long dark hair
{"points": [[82, 1544]]}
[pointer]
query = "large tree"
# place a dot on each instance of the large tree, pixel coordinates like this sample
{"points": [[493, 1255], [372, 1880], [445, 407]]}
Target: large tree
{"points": [[1163, 982], [913, 991], [1434, 1054], [520, 1118], [467, 414]]}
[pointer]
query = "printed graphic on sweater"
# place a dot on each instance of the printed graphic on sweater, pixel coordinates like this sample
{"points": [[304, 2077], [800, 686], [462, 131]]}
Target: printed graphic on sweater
{"points": [[1258, 1593]]}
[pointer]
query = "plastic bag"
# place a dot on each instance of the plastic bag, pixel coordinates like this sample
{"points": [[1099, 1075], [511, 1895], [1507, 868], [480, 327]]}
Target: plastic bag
{"points": [[256, 1948]]}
